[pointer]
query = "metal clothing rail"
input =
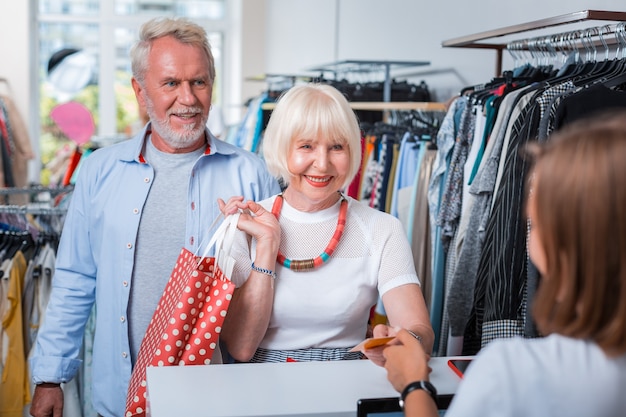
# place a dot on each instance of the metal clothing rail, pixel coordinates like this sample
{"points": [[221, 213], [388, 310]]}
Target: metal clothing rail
{"points": [[281, 82], [36, 189], [33, 209], [32, 194], [477, 40], [281, 78]]}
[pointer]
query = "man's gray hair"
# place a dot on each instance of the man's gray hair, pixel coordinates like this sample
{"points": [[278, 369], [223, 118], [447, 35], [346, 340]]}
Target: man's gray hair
{"points": [[181, 29]]}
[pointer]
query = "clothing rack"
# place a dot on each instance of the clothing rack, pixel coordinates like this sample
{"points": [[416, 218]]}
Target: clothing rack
{"points": [[342, 68], [494, 268], [385, 106], [367, 66], [478, 40], [388, 109]]}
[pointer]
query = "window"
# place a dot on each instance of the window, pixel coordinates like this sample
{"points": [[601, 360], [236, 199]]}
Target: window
{"points": [[97, 35]]}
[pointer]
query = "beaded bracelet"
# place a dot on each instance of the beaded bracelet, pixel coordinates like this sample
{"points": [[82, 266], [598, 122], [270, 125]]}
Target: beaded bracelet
{"points": [[268, 272]]}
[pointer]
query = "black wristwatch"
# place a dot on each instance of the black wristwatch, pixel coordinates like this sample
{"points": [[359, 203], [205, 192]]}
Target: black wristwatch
{"points": [[425, 385]]}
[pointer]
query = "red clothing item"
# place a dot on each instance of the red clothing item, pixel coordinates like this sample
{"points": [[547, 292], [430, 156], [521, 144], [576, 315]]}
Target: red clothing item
{"points": [[71, 167]]}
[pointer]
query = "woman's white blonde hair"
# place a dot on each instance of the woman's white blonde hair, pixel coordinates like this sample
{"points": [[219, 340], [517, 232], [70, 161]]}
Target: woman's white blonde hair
{"points": [[310, 111]]}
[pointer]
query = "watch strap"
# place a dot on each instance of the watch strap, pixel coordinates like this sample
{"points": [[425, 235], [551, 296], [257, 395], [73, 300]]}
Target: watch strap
{"points": [[423, 385]]}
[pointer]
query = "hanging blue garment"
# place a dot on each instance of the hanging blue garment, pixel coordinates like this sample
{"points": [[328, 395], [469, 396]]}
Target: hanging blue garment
{"points": [[421, 150], [249, 132], [406, 168]]}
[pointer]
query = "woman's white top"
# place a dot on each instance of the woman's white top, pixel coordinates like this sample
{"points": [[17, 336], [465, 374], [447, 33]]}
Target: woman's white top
{"points": [[329, 307], [551, 376]]}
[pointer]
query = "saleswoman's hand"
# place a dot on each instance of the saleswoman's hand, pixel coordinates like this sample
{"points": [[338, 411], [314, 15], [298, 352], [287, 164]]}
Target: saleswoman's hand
{"points": [[405, 361]]}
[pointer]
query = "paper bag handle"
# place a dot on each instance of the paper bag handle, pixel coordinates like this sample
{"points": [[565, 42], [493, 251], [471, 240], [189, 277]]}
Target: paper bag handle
{"points": [[227, 228]]}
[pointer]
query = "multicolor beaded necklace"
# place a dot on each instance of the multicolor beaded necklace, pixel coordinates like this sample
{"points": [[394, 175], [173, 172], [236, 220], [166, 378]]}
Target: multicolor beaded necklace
{"points": [[307, 264]]}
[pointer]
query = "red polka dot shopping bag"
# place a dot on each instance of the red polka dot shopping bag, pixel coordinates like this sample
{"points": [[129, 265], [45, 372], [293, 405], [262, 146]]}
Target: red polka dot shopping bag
{"points": [[186, 324]]}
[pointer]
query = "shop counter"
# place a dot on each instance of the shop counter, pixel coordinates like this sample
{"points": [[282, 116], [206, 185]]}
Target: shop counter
{"points": [[293, 389]]}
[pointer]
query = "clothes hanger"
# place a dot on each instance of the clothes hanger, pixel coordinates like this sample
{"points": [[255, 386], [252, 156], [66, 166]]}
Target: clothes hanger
{"points": [[617, 77], [606, 65], [594, 69], [578, 68]]}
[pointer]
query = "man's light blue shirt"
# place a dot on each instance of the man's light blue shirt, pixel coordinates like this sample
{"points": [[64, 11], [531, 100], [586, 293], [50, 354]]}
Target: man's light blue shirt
{"points": [[96, 255]]}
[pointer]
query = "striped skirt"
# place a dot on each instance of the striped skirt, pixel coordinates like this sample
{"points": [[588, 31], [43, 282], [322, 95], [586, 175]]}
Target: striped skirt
{"points": [[305, 355]]}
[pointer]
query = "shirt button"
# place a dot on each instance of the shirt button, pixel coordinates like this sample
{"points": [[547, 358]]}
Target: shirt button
{"points": [[122, 319], [125, 283], [193, 205], [129, 245], [135, 211], [191, 240], [124, 354], [146, 179]]}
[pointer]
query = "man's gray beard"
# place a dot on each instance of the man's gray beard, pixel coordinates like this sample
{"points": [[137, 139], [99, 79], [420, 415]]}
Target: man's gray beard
{"points": [[175, 139]]}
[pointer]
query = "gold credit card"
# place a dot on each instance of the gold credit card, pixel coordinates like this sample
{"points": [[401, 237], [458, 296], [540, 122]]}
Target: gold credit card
{"points": [[372, 342]]}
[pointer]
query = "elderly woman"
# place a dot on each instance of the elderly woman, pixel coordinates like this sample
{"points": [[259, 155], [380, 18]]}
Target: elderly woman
{"points": [[313, 261]]}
